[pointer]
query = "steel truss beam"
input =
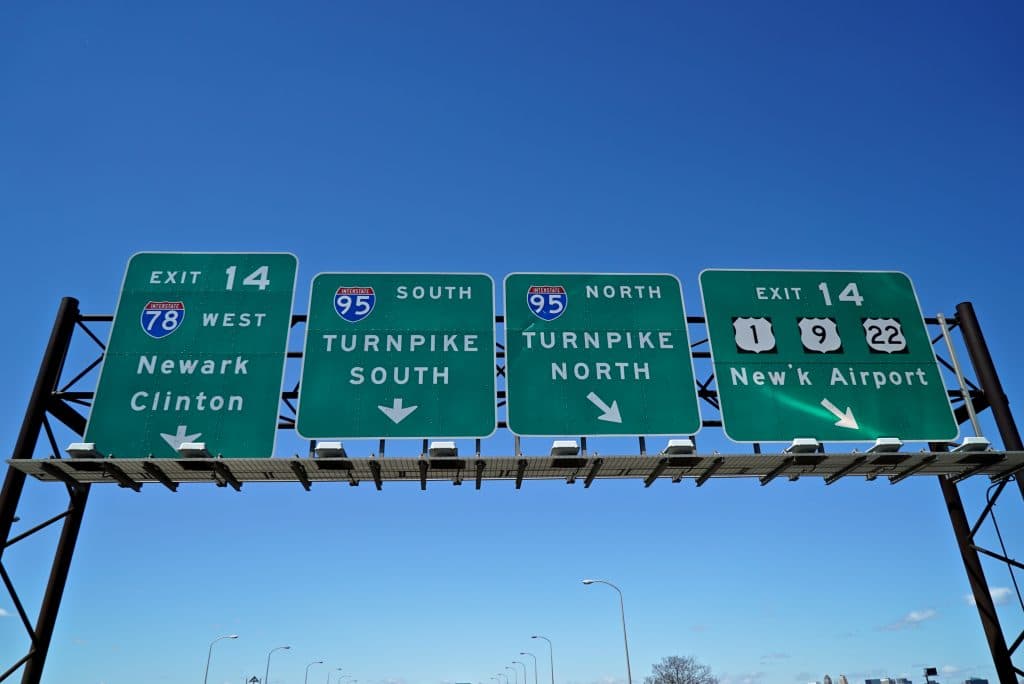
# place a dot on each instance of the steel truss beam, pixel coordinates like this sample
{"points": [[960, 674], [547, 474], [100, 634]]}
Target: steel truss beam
{"points": [[306, 471], [40, 403], [996, 400], [51, 400]]}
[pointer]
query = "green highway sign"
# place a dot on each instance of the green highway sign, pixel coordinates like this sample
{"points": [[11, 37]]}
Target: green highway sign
{"points": [[832, 355], [196, 354], [598, 354], [393, 355]]}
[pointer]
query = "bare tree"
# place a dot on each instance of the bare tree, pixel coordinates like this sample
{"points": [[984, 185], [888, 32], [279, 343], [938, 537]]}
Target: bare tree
{"points": [[680, 670]]}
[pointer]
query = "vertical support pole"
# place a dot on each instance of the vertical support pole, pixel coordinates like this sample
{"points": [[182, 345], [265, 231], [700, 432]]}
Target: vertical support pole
{"points": [[46, 382], [979, 585], [47, 619], [988, 380]]}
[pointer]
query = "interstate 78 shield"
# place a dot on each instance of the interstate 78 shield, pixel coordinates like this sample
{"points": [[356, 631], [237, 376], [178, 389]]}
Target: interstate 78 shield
{"points": [[160, 319]]}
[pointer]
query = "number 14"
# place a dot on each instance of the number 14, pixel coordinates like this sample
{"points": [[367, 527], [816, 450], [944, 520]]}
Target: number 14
{"points": [[850, 293], [259, 278]]}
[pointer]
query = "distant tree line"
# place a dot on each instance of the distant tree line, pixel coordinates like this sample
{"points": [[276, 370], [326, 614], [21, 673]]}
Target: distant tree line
{"points": [[680, 670]]}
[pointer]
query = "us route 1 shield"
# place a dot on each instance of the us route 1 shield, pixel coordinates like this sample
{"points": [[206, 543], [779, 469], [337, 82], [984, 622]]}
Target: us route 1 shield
{"points": [[196, 354], [398, 355], [598, 354], [839, 356]]}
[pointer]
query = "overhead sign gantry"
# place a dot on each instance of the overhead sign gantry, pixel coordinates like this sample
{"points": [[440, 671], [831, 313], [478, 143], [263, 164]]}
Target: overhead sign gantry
{"points": [[183, 332]]}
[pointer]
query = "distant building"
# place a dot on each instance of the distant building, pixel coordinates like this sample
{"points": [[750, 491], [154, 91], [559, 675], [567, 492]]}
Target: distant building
{"points": [[843, 680], [826, 680], [975, 680]]}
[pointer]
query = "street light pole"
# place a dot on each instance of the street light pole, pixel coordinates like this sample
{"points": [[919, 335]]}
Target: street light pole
{"points": [[329, 675], [210, 653], [266, 674], [551, 653], [315, 662], [534, 665], [622, 610], [525, 677], [515, 674]]}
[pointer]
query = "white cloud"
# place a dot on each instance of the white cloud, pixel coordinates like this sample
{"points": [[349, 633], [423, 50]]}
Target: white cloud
{"points": [[912, 619], [3, 613], [1000, 596], [916, 616], [950, 670]]}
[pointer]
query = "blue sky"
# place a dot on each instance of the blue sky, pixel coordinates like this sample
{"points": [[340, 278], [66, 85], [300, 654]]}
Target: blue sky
{"points": [[495, 138]]}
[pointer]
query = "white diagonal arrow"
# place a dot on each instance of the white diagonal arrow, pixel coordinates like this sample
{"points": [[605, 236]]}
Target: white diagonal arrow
{"points": [[846, 419], [609, 413], [396, 412], [180, 437]]}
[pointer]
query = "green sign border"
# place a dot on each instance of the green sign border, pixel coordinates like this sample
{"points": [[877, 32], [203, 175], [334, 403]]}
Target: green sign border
{"points": [[913, 290], [494, 378], [689, 354]]}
